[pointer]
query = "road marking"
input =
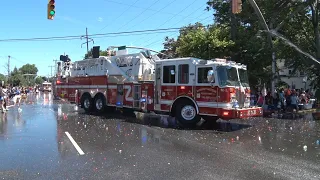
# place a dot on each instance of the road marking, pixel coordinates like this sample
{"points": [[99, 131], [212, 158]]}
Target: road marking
{"points": [[75, 144], [51, 110]]}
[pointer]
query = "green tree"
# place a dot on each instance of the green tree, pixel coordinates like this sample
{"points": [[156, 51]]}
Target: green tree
{"points": [[18, 80], [169, 49], [204, 43], [29, 69], [15, 71], [39, 80], [89, 54], [296, 21], [3, 78]]}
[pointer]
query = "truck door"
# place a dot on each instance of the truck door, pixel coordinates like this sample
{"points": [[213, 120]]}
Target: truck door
{"points": [[186, 79], [157, 92], [168, 85], [206, 93]]}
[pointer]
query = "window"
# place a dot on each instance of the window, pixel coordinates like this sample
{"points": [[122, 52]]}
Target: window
{"points": [[228, 76], [183, 76], [244, 77], [203, 74], [169, 74]]}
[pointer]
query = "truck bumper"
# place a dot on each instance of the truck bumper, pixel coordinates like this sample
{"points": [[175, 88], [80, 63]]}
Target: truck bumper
{"points": [[241, 113]]}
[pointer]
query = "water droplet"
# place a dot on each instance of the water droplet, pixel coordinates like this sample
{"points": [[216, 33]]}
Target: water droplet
{"points": [[305, 148]]}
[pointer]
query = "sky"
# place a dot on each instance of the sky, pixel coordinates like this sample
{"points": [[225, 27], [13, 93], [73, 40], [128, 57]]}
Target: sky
{"points": [[29, 20]]}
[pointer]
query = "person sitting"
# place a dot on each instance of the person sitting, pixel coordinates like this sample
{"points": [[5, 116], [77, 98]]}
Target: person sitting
{"points": [[303, 98]]}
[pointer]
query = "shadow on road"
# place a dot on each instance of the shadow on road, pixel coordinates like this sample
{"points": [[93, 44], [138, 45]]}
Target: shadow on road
{"points": [[167, 122]]}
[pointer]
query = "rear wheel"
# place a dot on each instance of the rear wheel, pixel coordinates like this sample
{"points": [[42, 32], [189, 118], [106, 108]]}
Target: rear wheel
{"points": [[99, 104], [87, 103], [186, 114]]}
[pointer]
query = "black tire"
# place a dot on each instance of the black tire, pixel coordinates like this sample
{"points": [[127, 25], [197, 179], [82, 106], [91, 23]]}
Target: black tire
{"points": [[86, 103], [99, 104], [187, 107]]}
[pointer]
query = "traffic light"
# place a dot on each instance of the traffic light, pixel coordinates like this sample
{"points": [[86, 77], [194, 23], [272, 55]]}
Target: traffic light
{"points": [[51, 9], [236, 6]]}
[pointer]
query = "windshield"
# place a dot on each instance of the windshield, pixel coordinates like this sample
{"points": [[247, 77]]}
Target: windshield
{"points": [[47, 85], [228, 76], [244, 77]]}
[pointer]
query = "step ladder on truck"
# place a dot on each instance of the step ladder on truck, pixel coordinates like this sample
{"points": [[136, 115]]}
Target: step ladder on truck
{"points": [[185, 88]]}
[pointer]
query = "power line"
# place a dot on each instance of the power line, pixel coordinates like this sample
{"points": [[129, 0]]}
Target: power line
{"points": [[114, 20], [149, 9], [18, 60], [178, 23], [138, 15], [173, 16], [93, 35], [153, 14], [87, 40], [168, 36]]}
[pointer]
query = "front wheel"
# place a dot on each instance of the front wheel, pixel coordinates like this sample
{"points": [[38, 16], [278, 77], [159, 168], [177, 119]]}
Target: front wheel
{"points": [[186, 114], [87, 103]]}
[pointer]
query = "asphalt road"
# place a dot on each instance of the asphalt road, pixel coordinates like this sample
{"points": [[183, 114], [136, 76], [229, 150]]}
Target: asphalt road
{"points": [[37, 143]]}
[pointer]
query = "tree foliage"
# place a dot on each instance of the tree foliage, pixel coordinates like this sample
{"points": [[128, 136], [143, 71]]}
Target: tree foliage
{"points": [[29, 69], [295, 29], [25, 76], [39, 80], [89, 53], [2, 78]]}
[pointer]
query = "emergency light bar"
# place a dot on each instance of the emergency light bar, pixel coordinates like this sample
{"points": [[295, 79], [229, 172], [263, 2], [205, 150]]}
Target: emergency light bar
{"points": [[220, 60]]}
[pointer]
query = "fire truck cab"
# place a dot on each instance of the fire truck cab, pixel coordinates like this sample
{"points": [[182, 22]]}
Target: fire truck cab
{"points": [[186, 88]]}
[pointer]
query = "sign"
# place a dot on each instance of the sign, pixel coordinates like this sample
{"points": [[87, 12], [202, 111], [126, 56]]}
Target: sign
{"points": [[122, 48]]}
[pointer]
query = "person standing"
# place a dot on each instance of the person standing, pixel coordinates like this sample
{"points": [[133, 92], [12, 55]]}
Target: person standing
{"points": [[5, 98], [2, 98]]}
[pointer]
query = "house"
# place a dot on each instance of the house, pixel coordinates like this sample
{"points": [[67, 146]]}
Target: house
{"points": [[295, 80]]}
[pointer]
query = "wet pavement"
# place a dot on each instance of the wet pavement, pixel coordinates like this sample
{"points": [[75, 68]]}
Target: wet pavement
{"points": [[34, 145]]}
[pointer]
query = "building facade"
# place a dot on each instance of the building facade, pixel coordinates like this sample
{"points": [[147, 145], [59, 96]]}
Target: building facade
{"points": [[295, 80]]}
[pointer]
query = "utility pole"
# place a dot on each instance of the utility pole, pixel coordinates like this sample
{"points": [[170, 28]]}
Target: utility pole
{"points": [[8, 69], [9, 65], [87, 40], [51, 69], [55, 67]]}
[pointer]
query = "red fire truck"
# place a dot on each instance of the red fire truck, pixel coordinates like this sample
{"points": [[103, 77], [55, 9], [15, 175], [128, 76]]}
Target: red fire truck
{"points": [[185, 88]]}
